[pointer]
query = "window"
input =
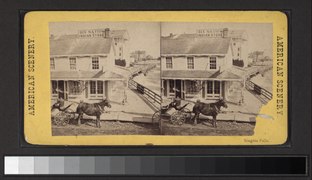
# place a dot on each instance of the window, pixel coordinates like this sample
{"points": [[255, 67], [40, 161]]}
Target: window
{"points": [[95, 63], [191, 87], [100, 87], [72, 63], [169, 62], [209, 87], [54, 87], [92, 87], [216, 87], [190, 62], [52, 63], [213, 87], [213, 63], [171, 86], [96, 87], [74, 87]]}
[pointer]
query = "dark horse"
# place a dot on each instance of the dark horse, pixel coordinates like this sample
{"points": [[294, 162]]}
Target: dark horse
{"points": [[208, 109], [95, 109]]}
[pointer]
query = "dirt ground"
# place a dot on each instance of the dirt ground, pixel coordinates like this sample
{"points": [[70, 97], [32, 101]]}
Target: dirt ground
{"points": [[108, 128], [225, 128], [205, 128]]}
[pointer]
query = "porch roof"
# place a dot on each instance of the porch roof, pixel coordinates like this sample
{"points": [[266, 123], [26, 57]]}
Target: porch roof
{"points": [[85, 75], [200, 74]]}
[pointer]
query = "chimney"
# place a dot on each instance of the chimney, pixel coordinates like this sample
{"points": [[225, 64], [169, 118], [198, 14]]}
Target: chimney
{"points": [[225, 32], [107, 33]]}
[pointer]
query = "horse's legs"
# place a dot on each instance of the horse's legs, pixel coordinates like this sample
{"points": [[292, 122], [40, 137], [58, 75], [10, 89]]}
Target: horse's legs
{"points": [[79, 117], [195, 118], [214, 121], [98, 121]]}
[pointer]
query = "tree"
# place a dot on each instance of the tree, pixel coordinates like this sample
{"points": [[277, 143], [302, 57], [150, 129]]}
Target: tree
{"points": [[255, 55]]}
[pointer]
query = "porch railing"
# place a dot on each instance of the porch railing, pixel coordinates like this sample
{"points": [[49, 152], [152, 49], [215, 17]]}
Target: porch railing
{"points": [[153, 98], [258, 90]]}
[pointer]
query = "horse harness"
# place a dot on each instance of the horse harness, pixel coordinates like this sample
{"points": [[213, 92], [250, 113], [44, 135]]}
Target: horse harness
{"points": [[101, 109], [214, 107]]}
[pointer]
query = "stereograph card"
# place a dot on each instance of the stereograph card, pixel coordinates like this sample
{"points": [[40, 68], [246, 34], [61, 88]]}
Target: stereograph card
{"points": [[156, 78]]}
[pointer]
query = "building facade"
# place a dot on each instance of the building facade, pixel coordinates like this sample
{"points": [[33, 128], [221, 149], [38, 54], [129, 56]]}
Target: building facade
{"points": [[83, 65], [201, 66]]}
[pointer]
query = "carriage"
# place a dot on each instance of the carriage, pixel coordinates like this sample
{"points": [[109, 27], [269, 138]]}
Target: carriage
{"points": [[64, 116], [178, 117]]}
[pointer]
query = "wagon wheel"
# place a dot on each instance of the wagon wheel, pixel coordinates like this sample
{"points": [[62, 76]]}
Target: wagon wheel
{"points": [[156, 117], [60, 119], [178, 118], [70, 114]]}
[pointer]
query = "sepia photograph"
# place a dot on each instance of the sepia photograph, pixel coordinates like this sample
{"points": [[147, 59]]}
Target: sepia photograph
{"points": [[215, 77], [105, 77], [202, 79]]}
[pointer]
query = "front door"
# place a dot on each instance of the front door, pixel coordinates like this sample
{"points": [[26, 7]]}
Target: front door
{"points": [[178, 88], [60, 85]]}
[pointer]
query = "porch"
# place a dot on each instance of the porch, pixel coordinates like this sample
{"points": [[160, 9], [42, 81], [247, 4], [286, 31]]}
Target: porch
{"points": [[86, 86], [204, 85]]}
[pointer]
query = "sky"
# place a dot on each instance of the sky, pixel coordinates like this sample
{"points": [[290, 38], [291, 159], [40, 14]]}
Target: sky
{"points": [[259, 34], [146, 35], [143, 35]]}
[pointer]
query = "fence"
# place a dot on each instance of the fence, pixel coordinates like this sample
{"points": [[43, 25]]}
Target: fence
{"points": [[141, 69], [150, 96], [258, 90]]}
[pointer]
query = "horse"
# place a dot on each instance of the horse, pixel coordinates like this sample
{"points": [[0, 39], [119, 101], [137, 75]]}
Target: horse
{"points": [[208, 109], [95, 109]]}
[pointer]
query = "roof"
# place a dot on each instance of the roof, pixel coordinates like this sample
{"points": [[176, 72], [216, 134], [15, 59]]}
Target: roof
{"points": [[194, 44], [85, 75], [199, 74], [76, 46]]}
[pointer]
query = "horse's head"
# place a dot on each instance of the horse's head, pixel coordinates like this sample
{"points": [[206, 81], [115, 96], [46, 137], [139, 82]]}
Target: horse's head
{"points": [[105, 102], [223, 103]]}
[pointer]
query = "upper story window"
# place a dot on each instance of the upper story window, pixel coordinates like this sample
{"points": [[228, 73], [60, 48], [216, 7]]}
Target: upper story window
{"points": [[95, 63], [169, 62], [213, 63], [72, 63], [190, 62], [52, 63]]}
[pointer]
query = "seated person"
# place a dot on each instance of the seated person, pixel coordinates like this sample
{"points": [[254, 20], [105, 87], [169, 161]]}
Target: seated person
{"points": [[59, 104]]}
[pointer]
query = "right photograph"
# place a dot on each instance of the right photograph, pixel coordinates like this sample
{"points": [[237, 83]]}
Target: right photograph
{"points": [[215, 77]]}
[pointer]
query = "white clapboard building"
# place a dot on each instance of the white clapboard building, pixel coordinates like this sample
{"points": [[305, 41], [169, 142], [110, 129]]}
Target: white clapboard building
{"points": [[203, 65], [83, 65]]}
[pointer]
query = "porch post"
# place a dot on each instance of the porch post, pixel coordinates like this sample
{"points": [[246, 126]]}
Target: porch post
{"points": [[203, 89]]}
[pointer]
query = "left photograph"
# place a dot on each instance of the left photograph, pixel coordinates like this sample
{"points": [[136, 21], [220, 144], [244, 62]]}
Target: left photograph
{"points": [[105, 78]]}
